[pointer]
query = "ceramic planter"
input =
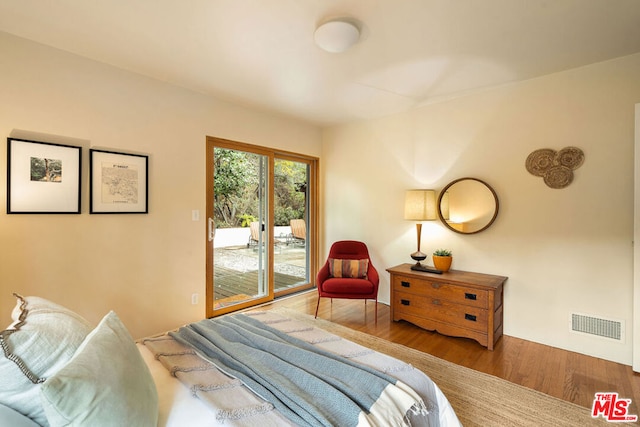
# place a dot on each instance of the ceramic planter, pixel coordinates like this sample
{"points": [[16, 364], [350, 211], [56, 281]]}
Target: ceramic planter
{"points": [[442, 263]]}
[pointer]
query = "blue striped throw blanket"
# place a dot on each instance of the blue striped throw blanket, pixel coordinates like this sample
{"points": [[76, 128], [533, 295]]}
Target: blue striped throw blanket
{"points": [[308, 385]]}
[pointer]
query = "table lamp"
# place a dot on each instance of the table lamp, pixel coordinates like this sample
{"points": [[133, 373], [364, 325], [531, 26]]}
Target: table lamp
{"points": [[420, 205]]}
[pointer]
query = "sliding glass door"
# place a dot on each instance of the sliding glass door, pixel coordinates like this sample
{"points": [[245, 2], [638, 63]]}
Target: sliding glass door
{"points": [[260, 212]]}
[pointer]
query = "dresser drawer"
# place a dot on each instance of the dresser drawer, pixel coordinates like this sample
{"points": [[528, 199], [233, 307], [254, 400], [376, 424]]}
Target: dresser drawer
{"points": [[441, 310], [442, 290]]}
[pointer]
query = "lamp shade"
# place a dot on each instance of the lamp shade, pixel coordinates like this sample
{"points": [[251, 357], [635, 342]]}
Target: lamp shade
{"points": [[420, 205]]}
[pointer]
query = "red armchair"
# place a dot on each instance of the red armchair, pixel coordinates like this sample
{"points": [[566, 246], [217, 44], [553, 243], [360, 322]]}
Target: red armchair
{"points": [[348, 273]]}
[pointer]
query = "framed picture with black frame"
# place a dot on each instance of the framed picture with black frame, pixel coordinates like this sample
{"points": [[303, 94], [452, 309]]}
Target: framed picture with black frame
{"points": [[118, 182], [43, 177]]}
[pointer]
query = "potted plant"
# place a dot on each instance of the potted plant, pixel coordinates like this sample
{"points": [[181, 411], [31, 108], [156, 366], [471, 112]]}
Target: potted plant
{"points": [[442, 259]]}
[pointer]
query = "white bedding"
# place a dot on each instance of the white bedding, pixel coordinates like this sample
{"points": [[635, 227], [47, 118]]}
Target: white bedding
{"points": [[176, 404], [179, 408]]}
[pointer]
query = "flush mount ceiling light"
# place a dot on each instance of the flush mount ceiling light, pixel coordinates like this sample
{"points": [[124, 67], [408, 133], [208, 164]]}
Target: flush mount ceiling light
{"points": [[337, 35]]}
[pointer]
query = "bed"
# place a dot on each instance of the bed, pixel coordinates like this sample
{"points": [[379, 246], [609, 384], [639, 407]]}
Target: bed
{"points": [[59, 370]]}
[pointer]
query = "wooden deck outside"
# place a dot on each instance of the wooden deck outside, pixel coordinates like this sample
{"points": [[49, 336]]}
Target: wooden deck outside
{"points": [[236, 272], [229, 283]]}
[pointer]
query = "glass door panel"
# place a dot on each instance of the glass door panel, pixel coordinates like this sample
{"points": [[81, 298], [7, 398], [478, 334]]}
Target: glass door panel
{"points": [[291, 219], [240, 217]]}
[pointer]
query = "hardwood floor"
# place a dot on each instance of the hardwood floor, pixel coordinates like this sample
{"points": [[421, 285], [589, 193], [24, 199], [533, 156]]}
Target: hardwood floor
{"points": [[566, 375]]}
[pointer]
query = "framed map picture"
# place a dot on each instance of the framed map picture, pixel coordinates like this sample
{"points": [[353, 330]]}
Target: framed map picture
{"points": [[42, 177], [118, 182]]}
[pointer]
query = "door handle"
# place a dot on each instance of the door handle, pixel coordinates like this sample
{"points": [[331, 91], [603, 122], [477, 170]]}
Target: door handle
{"points": [[211, 230]]}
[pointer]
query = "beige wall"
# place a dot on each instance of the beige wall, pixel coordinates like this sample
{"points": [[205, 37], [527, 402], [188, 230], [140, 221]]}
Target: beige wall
{"points": [[145, 267], [564, 250]]}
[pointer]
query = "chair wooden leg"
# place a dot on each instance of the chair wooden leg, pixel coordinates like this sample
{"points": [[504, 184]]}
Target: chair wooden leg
{"points": [[376, 310], [317, 306]]}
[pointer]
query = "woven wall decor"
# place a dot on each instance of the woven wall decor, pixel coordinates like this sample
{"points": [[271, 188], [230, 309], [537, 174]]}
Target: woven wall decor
{"points": [[555, 167]]}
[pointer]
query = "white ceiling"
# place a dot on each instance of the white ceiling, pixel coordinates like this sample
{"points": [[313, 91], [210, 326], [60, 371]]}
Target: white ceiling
{"points": [[261, 53]]}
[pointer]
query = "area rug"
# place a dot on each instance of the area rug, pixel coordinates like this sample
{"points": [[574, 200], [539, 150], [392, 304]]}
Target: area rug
{"points": [[478, 399]]}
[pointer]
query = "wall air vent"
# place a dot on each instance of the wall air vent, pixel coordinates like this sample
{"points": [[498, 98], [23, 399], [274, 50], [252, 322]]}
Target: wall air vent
{"points": [[605, 328]]}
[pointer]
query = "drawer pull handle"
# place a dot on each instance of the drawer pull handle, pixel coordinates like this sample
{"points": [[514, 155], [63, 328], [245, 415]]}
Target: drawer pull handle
{"points": [[470, 296], [405, 302], [405, 284], [436, 302], [470, 317], [435, 285]]}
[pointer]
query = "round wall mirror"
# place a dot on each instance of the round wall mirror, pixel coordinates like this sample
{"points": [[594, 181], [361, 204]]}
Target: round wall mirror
{"points": [[467, 205]]}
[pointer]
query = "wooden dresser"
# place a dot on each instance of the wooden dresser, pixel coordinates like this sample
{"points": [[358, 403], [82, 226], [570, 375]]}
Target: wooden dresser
{"points": [[456, 303]]}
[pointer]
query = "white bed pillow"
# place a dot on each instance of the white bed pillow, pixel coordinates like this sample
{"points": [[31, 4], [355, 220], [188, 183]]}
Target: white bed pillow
{"points": [[41, 340], [12, 418], [106, 383]]}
